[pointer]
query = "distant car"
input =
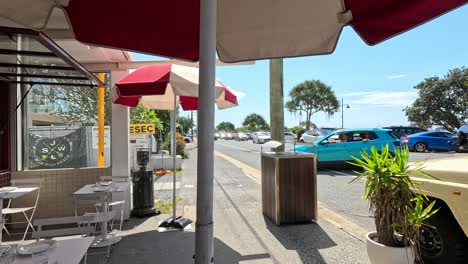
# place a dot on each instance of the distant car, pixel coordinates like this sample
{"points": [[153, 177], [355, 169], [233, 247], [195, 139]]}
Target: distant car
{"points": [[222, 135], [431, 140], [216, 136], [339, 146], [231, 136], [289, 136], [260, 137], [402, 131], [312, 135], [242, 137], [460, 138]]}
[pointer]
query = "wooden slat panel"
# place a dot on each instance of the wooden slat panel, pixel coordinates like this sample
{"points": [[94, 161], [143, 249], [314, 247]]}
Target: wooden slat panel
{"points": [[297, 190], [268, 187]]}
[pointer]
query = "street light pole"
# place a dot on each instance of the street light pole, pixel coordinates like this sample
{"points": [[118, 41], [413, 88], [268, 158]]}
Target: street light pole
{"points": [[342, 112]]}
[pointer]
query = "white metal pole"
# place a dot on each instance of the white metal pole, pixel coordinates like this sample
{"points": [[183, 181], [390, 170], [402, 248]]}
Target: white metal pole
{"points": [[174, 155], [205, 155]]}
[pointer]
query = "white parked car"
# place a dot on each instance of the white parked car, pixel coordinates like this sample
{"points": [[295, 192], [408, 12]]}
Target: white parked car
{"points": [[289, 137], [312, 135], [242, 136], [260, 137], [230, 136], [222, 135]]}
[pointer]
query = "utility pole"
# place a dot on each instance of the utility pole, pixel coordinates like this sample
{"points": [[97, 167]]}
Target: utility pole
{"points": [[277, 101], [342, 112]]}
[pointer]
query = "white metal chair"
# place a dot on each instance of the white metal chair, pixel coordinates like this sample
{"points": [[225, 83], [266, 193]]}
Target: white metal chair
{"points": [[9, 210], [116, 203], [81, 225], [96, 217]]}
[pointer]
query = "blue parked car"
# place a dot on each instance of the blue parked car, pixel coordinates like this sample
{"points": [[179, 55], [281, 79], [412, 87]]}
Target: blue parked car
{"points": [[339, 146], [431, 140]]}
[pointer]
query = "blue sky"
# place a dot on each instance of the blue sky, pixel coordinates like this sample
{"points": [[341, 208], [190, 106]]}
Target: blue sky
{"points": [[375, 81]]}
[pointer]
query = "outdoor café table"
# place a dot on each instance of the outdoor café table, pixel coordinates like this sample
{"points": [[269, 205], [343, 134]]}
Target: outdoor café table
{"points": [[104, 239], [69, 251], [18, 192]]}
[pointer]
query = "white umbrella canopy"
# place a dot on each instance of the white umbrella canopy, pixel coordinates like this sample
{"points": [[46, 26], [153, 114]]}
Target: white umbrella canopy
{"points": [[166, 86], [245, 29]]}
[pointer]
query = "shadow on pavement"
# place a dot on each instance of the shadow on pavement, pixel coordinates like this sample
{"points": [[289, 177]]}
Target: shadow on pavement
{"points": [[169, 247], [305, 239]]}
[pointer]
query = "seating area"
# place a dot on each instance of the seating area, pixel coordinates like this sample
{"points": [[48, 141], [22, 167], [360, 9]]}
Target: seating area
{"points": [[97, 221]]}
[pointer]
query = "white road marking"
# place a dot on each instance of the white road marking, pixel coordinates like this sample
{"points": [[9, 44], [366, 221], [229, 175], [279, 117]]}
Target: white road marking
{"points": [[249, 150], [341, 173]]}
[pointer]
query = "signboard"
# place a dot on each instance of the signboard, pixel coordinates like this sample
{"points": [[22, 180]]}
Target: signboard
{"points": [[142, 129], [94, 137], [67, 151]]}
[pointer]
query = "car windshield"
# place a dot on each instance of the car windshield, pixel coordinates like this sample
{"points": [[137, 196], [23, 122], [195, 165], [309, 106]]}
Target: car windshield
{"points": [[262, 133]]}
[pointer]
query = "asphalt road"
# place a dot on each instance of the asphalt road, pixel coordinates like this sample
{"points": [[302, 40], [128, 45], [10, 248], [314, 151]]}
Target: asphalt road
{"points": [[334, 190]]}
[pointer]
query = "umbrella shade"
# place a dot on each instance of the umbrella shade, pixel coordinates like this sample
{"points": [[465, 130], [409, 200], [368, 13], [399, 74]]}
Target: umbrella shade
{"points": [[246, 30], [156, 86]]}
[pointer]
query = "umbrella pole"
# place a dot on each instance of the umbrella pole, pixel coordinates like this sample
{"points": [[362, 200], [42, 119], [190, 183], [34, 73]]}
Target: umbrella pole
{"points": [[174, 155], [205, 154]]}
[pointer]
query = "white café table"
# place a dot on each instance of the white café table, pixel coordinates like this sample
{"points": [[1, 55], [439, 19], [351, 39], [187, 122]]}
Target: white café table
{"points": [[104, 239], [67, 251], [18, 192]]}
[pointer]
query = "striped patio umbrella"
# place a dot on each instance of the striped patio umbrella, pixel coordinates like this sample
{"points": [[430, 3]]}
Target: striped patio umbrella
{"points": [[166, 86]]}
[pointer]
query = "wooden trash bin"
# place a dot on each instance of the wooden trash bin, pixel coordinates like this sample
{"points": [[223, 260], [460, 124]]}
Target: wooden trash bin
{"points": [[289, 187]]}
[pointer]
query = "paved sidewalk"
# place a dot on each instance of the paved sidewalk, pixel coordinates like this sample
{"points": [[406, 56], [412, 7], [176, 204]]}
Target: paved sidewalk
{"points": [[241, 226], [242, 234]]}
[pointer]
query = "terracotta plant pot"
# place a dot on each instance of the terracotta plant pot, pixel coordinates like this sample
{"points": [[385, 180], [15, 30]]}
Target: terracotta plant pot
{"points": [[380, 254]]}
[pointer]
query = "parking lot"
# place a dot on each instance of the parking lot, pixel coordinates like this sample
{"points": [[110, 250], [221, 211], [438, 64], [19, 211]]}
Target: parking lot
{"points": [[334, 190]]}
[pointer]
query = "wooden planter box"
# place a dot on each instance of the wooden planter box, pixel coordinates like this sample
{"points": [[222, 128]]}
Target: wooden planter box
{"points": [[289, 187]]}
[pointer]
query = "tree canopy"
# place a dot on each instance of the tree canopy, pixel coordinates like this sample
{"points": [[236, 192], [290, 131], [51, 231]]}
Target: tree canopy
{"points": [[140, 115], [225, 126], [310, 97], [73, 104], [255, 122], [441, 101], [186, 124]]}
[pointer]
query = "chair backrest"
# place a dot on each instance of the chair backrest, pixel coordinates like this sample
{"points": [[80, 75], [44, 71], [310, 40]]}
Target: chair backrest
{"points": [[29, 183], [81, 226]]}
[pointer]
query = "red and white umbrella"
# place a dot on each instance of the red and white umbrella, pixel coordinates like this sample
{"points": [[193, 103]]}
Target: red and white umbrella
{"points": [[164, 87], [245, 30], [156, 87]]}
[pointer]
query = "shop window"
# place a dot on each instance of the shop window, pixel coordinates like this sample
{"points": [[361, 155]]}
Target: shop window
{"points": [[60, 128]]}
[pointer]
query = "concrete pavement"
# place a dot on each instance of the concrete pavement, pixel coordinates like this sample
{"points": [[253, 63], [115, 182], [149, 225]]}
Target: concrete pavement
{"points": [[242, 233], [240, 224]]}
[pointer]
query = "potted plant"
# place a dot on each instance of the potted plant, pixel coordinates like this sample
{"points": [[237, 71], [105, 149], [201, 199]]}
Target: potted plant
{"points": [[398, 208]]}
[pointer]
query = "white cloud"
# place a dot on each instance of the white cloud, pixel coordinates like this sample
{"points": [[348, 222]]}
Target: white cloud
{"points": [[397, 76], [381, 98]]}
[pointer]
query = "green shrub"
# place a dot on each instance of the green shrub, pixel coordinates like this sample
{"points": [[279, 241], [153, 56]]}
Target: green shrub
{"points": [[180, 145], [298, 131]]}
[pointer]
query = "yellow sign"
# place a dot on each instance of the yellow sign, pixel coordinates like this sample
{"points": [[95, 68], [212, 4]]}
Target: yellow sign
{"points": [[142, 129]]}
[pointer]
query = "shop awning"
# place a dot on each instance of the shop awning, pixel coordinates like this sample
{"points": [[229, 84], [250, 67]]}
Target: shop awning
{"points": [[30, 57]]}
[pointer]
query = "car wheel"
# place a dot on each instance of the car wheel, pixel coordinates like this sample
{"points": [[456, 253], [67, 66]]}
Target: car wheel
{"points": [[302, 140], [187, 141], [420, 147], [442, 240]]}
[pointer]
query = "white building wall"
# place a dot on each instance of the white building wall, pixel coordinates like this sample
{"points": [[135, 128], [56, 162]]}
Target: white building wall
{"points": [[120, 140]]}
